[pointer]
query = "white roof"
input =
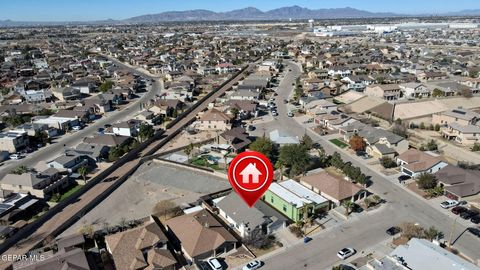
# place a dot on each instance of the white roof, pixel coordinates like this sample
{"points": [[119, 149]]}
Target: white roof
{"points": [[282, 138], [423, 254], [52, 120], [295, 193]]}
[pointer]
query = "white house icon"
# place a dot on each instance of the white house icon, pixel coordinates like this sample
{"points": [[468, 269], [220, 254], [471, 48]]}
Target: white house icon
{"points": [[250, 170]]}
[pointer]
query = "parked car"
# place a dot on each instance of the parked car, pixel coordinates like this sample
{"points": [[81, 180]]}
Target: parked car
{"points": [[290, 114], [251, 128], [307, 239], [393, 230], [285, 101], [274, 113], [403, 178], [449, 203], [475, 219], [15, 156], [469, 214], [253, 265], [214, 264], [474, 231], [457, 210], [76, 128], [345, 253]]}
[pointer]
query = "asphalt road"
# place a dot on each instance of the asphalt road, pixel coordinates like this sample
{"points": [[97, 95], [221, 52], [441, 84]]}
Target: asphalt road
{"points": [[72, 139], [367, 230]]}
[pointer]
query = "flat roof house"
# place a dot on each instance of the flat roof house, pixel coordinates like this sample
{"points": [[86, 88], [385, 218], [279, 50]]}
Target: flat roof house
{"points": [[414, 162], [13, 141], [420, 254], [294, 200], [335, 189], [199, 235]]}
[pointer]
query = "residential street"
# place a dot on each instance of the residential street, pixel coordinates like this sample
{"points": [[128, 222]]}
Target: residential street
{"points": [[71, 139], [367, 230]]}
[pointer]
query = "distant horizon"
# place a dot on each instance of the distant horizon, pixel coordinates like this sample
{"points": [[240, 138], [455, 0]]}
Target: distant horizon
{"points": [[91, 10]]}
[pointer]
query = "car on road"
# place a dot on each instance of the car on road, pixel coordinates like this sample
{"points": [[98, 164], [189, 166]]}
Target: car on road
{"points": [[469, 214], [15, 156], [448, 203], [274, 113], [345, 253], [393, 230], [474, 231], [307, 239], [475, 219], [285, 101], [290, 114], [251, 128], [214, 263], [76, 128], [457, 210], [253, 265]]}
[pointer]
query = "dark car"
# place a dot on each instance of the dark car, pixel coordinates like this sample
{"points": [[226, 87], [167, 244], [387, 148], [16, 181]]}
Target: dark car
{"points": [[393, 230], [458, 210], [403, 178], [468, 214], [475, 219], [474, 231]]}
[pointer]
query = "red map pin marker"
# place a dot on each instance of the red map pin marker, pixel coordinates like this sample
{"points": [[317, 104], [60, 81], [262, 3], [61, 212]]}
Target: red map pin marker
{"points": [[250, 174]]}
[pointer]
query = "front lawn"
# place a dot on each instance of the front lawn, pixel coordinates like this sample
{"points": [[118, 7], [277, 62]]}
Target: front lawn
{"points": [[339, 143], [58, 197], [202, 162]]}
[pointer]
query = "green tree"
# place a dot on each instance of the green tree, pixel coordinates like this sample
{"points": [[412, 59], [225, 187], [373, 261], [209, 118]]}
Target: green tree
{"points": [[20, 170], [107, 85], [4, 91], [432, 233], [83, 171], [348, 206], [357, 143], [306, 141], [437, 93], [476, 147], [432, 145], [337, 161], [279, 165], [234, 112], [115, 153], [146, 132], [188, 150], [295, 157], [426, 181], [388, 162], [263, 145]]}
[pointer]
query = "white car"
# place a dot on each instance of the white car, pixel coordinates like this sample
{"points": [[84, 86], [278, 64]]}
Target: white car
{"points": [[76, 128], [448, 203], [15, 156], [345, 253], [274, 113], [253, 265], [290, 114], [214, 264]]}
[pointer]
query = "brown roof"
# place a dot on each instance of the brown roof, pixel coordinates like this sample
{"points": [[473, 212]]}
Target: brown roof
{"points": [[126, 247], [334, 187], [418, 161], [199, 232], [107, 139], [214, 115], [461, 182]]}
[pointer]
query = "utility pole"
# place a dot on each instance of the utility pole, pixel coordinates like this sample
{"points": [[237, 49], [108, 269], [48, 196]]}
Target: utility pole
{"points": [[451, 232]]}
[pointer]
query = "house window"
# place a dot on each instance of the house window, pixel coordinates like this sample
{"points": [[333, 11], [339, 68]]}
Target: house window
{"points": [[284, 208], [271, 199]]}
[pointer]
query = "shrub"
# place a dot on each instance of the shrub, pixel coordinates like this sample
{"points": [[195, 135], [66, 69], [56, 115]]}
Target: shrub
{"points": [[426, 181], [388, 162]]}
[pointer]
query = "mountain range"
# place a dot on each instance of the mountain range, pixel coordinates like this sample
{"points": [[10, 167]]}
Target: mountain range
{"points": [[248, 14]]}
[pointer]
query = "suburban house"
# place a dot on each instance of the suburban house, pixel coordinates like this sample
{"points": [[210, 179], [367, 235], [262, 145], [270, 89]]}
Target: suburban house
{"points": [[335, 189], [380, 142], [414, 162], [68, 254], [41, 185], [246, 108], [144, 247], [107, 140], [294, 200], [16, 206], [458, 115], [213, 120], [245, 94], [384, 91], [128, 128], [415, 90], [94, 151], [66, 93], [467, 135], [69, 162], [459, 183], [248, 221], [13, 141], [334, 121], [236, 137], [282, 138], [423, 254], [199, 235]]}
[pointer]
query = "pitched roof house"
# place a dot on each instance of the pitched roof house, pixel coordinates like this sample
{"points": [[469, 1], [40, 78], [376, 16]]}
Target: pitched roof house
{"points": [[144, 247], [200, 235], [459, 183], [414, 162]]}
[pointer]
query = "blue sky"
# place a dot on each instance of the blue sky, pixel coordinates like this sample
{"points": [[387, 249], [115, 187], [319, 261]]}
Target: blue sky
{"points": [[72, 10]]}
